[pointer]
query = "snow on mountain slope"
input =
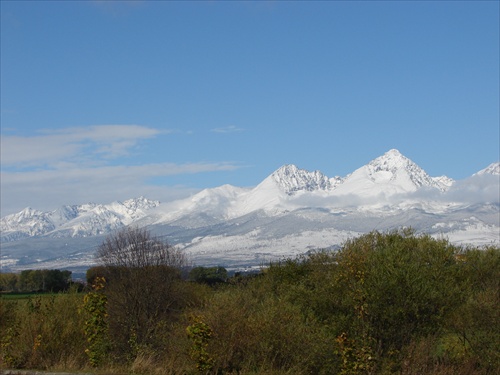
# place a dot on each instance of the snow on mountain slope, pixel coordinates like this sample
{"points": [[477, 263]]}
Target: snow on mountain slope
{"points": [[493, 168], [278, 191], [214, 203], [74, 221], [227, 201], [389, 174], [288, 188], [132, 209], [291, 179], [269, 195], [101, 219], [470, 230], [290, 212], [443, 182], [253, 249], [27, 223]]}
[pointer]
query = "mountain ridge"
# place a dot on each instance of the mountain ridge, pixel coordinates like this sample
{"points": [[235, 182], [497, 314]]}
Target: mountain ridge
{"points": [[292, 209], [392, 170], [79, 220]]}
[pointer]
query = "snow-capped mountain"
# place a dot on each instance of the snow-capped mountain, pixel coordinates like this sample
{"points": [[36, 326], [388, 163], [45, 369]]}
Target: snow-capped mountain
{"points": [[27, 223], [291, 211], [493, 168], [74, 221], [291, 179], [389, 174]]}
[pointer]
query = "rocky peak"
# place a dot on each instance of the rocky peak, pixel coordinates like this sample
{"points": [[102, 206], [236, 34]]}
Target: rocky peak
{"points": [[140, 203], [292, 179], [493, 168], [394, 164]]}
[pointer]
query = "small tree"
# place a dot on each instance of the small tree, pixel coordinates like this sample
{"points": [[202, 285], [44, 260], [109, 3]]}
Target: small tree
{"points": [[8, 282], [96, 323], [208, 275], [143, 274]]}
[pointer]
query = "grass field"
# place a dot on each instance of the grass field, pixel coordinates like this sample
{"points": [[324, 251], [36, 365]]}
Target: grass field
{"points": [[21, 296]]}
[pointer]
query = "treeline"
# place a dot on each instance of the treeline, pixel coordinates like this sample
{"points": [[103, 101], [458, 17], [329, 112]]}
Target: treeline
{"points": [[36, 281], [385, 303]]}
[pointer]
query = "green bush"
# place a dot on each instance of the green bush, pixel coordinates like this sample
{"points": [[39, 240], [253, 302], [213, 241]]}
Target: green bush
{"points": [[208, 275], [96, 327]]}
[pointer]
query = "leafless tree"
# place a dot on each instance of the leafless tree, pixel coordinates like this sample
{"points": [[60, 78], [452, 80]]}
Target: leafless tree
{"points": [[144, 287], [136, 248]]}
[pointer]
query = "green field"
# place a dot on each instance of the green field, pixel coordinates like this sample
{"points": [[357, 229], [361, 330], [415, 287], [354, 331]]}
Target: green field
{"points": [[21, 296]]}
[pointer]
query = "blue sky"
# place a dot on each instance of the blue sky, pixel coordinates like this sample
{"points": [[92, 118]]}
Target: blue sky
{"points": [[109, 100]]}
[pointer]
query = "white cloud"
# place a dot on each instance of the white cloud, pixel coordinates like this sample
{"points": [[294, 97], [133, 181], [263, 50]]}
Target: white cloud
{"points": [[227, 129], [108, 141], [475, 189], [472, 190], [72, 165], [49, 189]]}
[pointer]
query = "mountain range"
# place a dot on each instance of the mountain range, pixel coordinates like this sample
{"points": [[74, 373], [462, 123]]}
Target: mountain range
{"points": [[290, 212]]}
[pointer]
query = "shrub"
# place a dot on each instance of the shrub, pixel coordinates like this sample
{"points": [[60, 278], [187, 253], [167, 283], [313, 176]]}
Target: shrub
{"points": [[96, 324], [45, 332]]}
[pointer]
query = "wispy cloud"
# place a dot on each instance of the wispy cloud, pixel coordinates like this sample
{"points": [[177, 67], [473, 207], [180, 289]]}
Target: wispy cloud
{"points": [[51, 146], [77, 165], [123, 173], [227, 129], [49, 189]]}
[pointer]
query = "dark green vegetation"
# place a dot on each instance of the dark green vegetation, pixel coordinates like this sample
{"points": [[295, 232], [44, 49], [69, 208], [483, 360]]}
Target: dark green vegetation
{"points": [[40, 281], [208, 275], [391, 303]]}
